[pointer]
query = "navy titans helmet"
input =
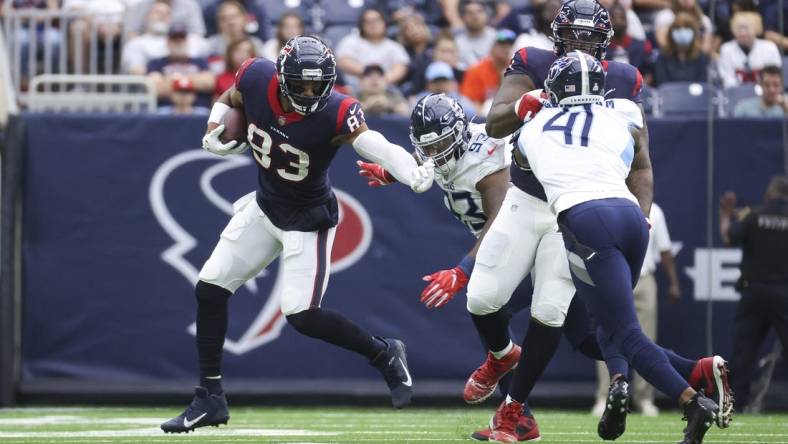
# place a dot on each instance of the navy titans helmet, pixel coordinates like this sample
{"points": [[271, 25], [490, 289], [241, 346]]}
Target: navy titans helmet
{"points": [[306, 58], [575, 79], [439, 131], [583, 25]]}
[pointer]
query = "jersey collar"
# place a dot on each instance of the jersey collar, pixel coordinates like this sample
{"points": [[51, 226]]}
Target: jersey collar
{"points": [[283, 118]]}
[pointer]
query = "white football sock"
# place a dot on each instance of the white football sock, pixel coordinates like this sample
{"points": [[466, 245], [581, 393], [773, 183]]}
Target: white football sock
{"points": [[504, 352]]}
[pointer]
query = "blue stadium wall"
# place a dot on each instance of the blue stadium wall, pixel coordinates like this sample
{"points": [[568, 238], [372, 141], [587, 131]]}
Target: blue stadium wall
{"points": [[119, 212]]}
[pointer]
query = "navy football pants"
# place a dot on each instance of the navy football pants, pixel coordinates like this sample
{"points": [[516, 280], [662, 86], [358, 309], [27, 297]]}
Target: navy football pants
{"points": [[606, 242]]}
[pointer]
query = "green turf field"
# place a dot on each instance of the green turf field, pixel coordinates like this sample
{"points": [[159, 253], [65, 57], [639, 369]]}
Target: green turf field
{"points": [[347, 425]]}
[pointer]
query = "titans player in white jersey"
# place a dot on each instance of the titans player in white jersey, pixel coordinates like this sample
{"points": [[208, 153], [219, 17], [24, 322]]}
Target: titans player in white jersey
{"points": [[581, 148]]}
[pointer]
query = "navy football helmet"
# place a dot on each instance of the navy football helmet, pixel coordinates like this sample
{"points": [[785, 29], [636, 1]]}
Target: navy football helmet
{"points": [[583, 25], [306, 58], [575, 79], [439, 131]]}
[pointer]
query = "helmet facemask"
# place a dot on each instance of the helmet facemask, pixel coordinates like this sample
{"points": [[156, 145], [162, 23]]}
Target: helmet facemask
{"points": [[302, 60], [443, 149], [589, 40]]}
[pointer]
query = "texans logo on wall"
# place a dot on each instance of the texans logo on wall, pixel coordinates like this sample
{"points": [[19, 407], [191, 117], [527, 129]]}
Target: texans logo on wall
{"points": [[259, 319]]}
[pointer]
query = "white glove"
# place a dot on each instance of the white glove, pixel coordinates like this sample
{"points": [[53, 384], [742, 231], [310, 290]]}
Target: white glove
{"points": [[422, 177], [211, 142]]}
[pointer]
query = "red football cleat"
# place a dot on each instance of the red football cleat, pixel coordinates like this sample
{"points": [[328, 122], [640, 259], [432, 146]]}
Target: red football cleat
{"points": [[504, 423], [711, 375], [484, 379], [527, 430]]}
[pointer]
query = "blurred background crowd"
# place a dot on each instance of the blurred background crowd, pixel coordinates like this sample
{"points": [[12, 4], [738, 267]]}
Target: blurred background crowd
{"points": [[392, 52]]}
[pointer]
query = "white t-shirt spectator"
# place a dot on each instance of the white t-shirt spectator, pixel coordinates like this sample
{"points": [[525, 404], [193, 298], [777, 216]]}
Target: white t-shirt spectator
{"points": [[736, 67], [473, 49], [658, 240], [635, 26], [186, 12], [140, 50], [533, 38], [385, 53], [271, 49], [105, 10]]}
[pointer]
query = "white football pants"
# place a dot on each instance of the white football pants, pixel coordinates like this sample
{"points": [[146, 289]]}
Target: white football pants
{"points": [[523, 238], [250, 242]]}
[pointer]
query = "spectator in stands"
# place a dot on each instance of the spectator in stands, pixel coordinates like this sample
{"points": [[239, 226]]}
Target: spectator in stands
{"points": [[445, 50], [140, 50], [183, 11], [681, 59], [540, 36], [440, 80], [371, 47], [399, 10], [415, 37], [647, 9], [521, 19], [102, 17], [44, 36], [772, 102], [236, 53], [377, 97], [289, 26], [634, 25], [742, 59], [183, 97], [256, 23], [231, 16], [482, 80], [665, 17], [625, 49], [178, 64], [476, 38]]}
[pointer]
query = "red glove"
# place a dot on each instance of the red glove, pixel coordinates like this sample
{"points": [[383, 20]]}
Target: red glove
{"points": [[375, 174], [443, 286], [527, 106]]}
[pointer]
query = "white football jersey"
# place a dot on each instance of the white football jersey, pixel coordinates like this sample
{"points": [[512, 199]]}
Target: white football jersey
{"points": [[484, 156], [582, 153]]}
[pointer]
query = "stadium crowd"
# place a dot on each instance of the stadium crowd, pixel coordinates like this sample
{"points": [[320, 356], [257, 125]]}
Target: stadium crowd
{"points": [[393, 52]]}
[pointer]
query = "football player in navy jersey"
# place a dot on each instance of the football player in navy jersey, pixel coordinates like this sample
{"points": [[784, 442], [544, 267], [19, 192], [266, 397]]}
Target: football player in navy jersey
{"points": [[518, 242], [296, 124]]}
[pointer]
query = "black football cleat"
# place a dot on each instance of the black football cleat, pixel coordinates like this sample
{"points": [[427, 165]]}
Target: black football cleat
{"points": [[205, 410], [700, 413], [393, 364], [614, 420]]}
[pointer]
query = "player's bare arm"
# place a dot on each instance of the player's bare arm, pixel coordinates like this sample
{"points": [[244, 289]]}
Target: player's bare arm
{"points": [[374, 147], [502, 120], [641, 180], [493, 189]]}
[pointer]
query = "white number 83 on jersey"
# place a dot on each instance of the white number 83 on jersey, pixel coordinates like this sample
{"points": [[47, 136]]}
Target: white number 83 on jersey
{"points": [[298, 165]]}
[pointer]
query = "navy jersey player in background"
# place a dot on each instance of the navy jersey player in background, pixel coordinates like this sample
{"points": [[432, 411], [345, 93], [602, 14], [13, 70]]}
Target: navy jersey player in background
{"points": [[296, 124], [579, 25]]}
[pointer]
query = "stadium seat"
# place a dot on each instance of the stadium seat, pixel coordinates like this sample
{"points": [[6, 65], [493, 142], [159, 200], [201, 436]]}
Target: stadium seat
{"points": [[334, 34], [276, 8], [686, 99], [732, 96], [341, 12]]}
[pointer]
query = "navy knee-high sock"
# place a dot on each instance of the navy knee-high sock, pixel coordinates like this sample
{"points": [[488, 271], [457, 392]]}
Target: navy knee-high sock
{"points": [[211, 330], [539, 347], [615, 361], [493, 329], [682, 365], [651, 362]]}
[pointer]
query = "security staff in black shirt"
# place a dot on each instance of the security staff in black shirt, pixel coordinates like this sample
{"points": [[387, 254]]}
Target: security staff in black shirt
{"points": [[762, 233]]}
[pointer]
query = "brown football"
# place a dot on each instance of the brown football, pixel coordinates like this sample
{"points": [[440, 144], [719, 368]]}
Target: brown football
{"points": [[234, 126]]}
